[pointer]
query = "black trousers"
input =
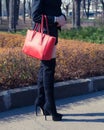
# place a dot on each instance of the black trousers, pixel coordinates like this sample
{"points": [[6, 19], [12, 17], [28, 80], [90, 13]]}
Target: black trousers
{"points": [[45, 85]]}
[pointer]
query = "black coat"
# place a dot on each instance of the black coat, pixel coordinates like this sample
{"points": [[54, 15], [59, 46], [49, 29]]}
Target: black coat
{"points": [[50, 8]]}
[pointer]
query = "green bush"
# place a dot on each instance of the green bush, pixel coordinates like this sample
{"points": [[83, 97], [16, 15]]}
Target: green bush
{"points": [[88, 34]]}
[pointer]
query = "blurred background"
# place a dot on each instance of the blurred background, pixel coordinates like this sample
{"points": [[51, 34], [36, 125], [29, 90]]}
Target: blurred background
{"points": [[16, 14]]}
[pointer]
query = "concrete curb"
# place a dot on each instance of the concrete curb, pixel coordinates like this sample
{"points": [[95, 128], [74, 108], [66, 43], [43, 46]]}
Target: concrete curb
{"points": [[26, 96]]}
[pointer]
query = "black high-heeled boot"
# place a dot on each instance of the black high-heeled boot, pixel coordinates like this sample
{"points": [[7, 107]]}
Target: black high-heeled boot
{"points": [[50, 107], [40, 106], [48, 80], [40, 101]]}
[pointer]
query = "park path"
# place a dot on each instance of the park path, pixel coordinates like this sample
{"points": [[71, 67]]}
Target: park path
{"points": [[85, 112]]}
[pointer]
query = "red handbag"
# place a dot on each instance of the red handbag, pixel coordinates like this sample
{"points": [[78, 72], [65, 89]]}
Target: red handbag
{"points": [[37, 44]]}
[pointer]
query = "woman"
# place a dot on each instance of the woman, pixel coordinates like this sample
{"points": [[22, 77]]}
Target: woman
{"points": [[45, 99]]}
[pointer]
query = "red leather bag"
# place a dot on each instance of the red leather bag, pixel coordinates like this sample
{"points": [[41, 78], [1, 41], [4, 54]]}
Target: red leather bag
{"points": [[37, 44]]}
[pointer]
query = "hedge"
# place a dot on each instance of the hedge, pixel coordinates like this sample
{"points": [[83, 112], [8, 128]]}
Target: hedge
{"points": [[75, 59]]}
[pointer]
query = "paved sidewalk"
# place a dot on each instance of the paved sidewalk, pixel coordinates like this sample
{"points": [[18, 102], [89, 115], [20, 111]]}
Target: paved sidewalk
{"points": [[84, 112], [20, 97]]}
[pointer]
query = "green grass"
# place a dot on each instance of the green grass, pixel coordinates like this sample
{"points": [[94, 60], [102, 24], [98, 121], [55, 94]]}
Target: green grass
{"points": [[88, 34], [22, 32]]}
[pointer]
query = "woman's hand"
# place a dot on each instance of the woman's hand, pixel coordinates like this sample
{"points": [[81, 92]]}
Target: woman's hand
{"points": [[61, 20]]}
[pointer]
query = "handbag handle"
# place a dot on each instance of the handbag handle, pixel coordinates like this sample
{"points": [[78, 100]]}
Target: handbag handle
{"points": [[44, 20], [40, 28]]}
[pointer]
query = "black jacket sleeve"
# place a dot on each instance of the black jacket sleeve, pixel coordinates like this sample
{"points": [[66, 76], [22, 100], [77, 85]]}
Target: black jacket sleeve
{"points": [[37, 11]]}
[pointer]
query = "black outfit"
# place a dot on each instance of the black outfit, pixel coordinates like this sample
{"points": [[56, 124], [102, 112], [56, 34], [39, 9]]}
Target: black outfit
{"points": [[50, 8], [45, 98]]}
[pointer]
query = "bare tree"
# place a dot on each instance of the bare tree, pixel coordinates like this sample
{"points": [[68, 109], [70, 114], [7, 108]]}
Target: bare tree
{"points": [[0, 11], [12, 15], [83, 8], [17, 4], [29, 8], [88, 8], [76, 13], [102, 2], [73, 14], [7, 8], [65, 6], [24, 10], [96, 7]]}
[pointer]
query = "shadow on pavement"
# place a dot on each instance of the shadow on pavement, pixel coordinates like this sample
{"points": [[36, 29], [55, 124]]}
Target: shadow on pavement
{"points": [[17, 113], [84, 120], [81, 99], [89, 115], [22, 112]]}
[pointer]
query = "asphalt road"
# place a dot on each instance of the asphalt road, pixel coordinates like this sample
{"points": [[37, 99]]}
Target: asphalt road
{"points": [[85, 112]]}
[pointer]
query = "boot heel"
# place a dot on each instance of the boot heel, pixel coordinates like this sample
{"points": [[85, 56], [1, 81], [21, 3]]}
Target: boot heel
{"points": [[36, 111], [45, 117], [45, 114]]}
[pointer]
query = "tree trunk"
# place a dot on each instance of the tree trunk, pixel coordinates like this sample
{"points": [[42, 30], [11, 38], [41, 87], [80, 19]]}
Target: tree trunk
{"points": [[88, 8], [7, 8], [29, 8], [17, 10], [84, 8], [73, 14], [12, 16], [1, 11], [76, 8], [102, 2], [96, 8], [24, 10]]}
